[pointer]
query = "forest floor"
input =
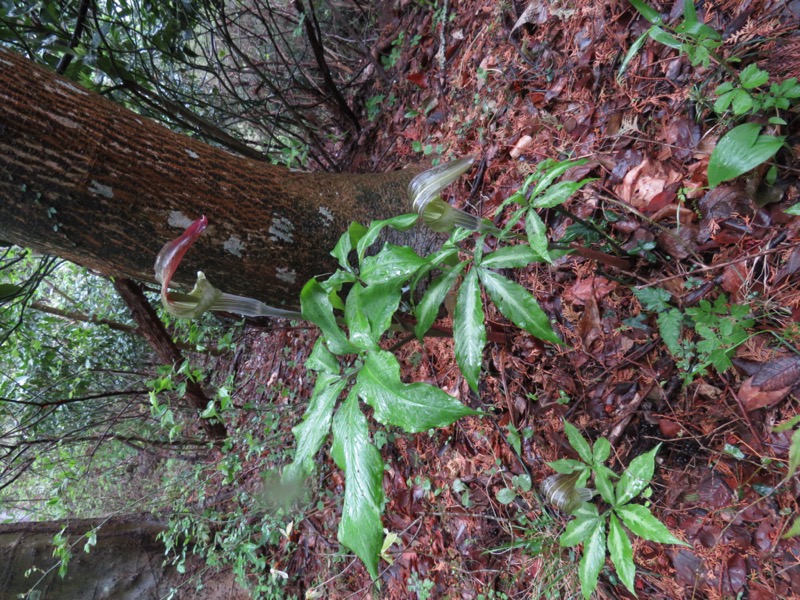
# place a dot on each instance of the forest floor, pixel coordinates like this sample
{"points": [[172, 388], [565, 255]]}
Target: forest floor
{"points": [[514, 91]]}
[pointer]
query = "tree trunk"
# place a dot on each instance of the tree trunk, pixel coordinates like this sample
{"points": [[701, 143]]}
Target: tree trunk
{"points": [[126, 563], [89, 181]]}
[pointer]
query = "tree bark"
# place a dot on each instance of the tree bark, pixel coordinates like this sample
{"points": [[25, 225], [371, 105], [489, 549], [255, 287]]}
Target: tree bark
{"points": [[126, 563], [96, 184]]}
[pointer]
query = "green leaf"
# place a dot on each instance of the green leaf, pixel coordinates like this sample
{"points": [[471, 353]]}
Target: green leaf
{"points": [[637, 476], [518, 306], [469, 330], [793, 531], [505, 495], [390, 264], [670, 325], [355, 315], [428, 307], [794, 454], [9, 290], [522, 482], [537, 236], [550, 173], [752, 77], [578, 442], [601, 451], [567, 465], [360, 527], [793, 210], [647, 11], [653, 299], [400, 222], [604, 486], [642, 523], [592, 561], [321, 359], [742, 102], [511, 256], [317, 308], [787, 425], [634, 49], [739, 151], [619, 547], [413, 407], [312, 431], [380, 301], [662, 37], [346, 243], [577, 531], [559, 193]]}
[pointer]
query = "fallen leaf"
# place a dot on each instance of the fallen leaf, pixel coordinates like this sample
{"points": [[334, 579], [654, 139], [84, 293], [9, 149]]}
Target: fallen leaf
{"points": [[771, 383], [534, 14]]}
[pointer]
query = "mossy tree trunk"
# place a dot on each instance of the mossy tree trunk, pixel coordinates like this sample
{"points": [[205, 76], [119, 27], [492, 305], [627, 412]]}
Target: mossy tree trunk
{"points": [[92, 182]]}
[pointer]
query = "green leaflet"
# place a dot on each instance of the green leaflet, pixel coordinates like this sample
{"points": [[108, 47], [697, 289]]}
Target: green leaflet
{"points": [[413, 407], [593, 559], [578, 442], [741, 149], [311, 433], [391, 263], [428, 307], [469, 330], [518, 306], [360, 527], [580, 528], [355, 315], [514, 256], [317, 308], [400, 222], [621, 553], [321, 359], [642, 523], [637, 476]]}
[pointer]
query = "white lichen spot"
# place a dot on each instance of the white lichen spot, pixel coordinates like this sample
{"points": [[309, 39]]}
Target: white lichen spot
{"points": [[101, 189], [71, 87], [178, 219], [327, 215], [192, 153], [281, 229], [286, 274], [234, 245]]}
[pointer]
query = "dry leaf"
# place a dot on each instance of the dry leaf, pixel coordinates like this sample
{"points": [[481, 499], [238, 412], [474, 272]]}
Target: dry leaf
{"points": [[771, 383]]}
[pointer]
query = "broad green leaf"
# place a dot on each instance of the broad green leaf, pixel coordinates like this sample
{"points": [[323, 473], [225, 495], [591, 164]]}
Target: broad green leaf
{"points": [[400, 222], [578, 442], [601, 451], [312, 431], [670, 324], [579, 529], [637, 476], [505, 495], [647, 11], [518, 306], [550, 174], [558, 193], [787, 425], [428, 307], [752, 77], [604, 486], [567, 465], [321, 359], [413, 407], [739, 151], [522, 482], [619, 546], [469, 330], [355, 315], [380, 301], [390, 264], [689, 12], [742, 102], [642, 523], [346, 243], [511, 256], [537, 236], [9, 290], [317, 308], [592, 561], [360, 527], [723, 102], [662, 37]]}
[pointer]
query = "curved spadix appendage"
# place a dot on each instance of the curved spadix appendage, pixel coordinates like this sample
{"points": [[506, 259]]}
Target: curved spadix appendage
{"points": [[560, 491], [203, 296], [424, 190]]}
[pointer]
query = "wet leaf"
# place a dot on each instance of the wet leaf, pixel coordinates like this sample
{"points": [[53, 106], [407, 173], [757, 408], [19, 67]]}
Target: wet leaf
{"points": [[469, 330], [619, 547], [741, 149]]}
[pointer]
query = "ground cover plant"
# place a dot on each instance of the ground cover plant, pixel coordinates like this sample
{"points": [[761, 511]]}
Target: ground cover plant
{"points": [[673, 366]]}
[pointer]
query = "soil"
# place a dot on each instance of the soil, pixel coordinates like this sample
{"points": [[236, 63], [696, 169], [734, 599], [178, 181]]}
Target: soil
{"points": [[519, 83]]}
